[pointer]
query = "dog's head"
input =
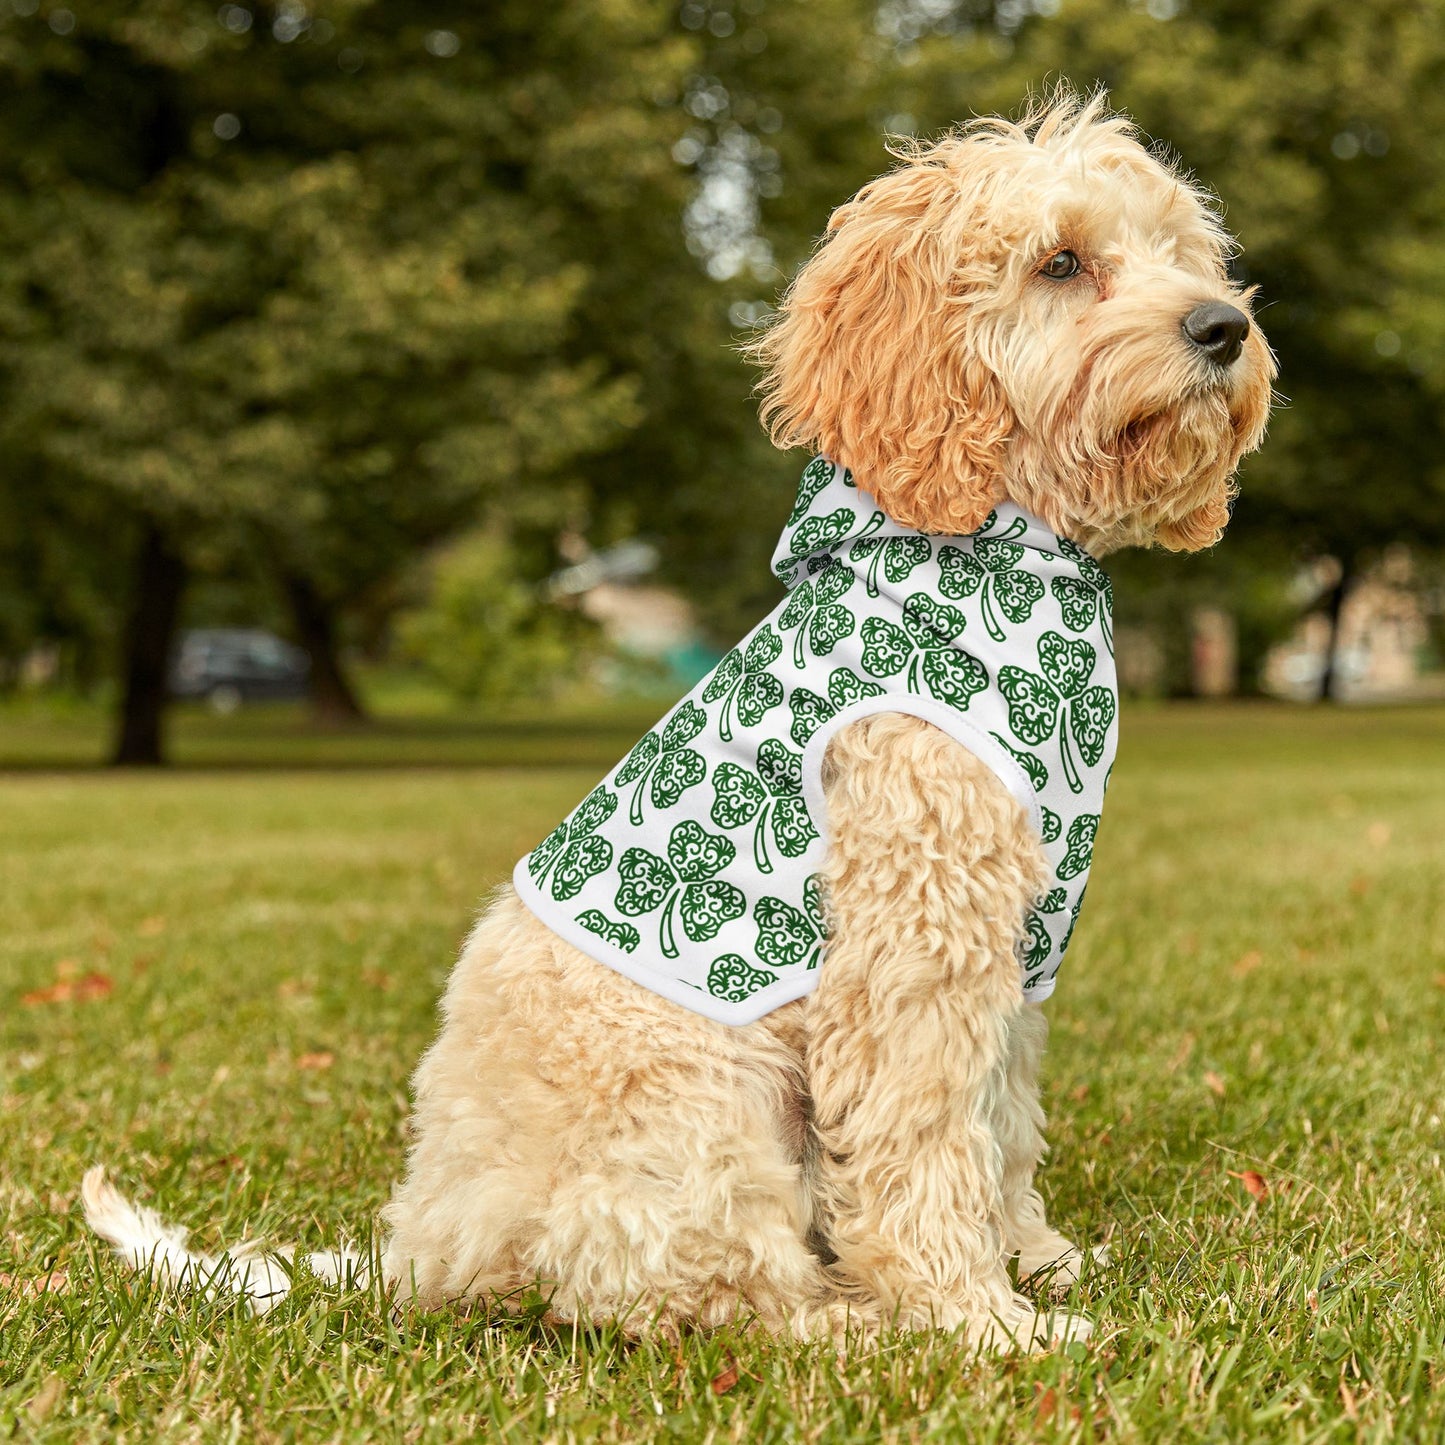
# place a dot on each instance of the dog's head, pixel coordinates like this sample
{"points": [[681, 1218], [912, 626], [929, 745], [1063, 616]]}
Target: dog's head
{"points": [[1037, 311]]}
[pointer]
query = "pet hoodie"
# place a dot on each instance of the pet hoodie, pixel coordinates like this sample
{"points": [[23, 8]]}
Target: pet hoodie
{"points": [[694, 866]]}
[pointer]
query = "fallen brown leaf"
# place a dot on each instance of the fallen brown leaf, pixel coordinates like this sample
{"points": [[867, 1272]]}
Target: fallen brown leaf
{"points": [[321, 1059], [1255, 1184], [1080, 1094], [724, 1381], [1214, 1083], [56, 1282], [67, 990], [1046, 1407]]}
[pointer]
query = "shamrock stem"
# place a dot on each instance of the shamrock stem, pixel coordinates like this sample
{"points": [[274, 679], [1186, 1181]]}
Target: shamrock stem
{"points": [[725, 725], [990, 620], [1108, 625], [635, 812], [913, 674], [665, 934], [1071, 771], [873, 570], [1016, 528], [798, 644], [760, 841], [874, 522], [816, 954]]}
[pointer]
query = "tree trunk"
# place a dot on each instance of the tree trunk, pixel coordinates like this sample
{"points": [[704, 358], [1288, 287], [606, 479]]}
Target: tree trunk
{"points": [[160, 578], [333, 700], [1329, 676]]}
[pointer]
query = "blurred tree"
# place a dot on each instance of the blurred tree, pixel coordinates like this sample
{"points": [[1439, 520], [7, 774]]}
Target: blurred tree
{"points": [[302, 283]]}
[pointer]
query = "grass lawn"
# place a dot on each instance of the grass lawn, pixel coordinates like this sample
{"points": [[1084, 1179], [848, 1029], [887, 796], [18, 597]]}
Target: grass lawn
{"points": [[217, 980]]}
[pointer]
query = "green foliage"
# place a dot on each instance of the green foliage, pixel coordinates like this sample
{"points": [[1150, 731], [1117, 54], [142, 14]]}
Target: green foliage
{"points": [[485, 633]]}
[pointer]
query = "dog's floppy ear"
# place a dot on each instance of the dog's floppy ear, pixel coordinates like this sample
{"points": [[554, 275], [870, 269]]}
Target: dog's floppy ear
{"points": [[872, 359]]}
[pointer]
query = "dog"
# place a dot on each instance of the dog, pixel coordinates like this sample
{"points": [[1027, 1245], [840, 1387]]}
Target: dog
{"points": [[1024, 336]]}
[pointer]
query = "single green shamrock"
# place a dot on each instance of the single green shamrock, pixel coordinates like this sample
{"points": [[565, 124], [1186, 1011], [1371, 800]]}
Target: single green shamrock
{"points": [[733, 978], [684, 881], [814, 609], [772, 796], [898, 556], [810, 711], [1037, 946], [1037, 773], [1081, 601], [1061, 699], [787, 935], [1053, 901], [623, 935], [817, 534], [1082, 832], [925, 643], [1053, 824], [571, 850], [672, 766], [816, 475], [742, 679], [993, 565]]}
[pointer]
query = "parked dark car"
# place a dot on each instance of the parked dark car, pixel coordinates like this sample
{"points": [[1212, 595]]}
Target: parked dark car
{"points": [[230, 665]]}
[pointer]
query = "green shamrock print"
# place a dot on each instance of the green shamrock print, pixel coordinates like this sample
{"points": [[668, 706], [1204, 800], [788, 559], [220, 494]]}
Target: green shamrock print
{"points": [[672, 766], [924, 643], [742, 679], [810, 711], [1080, 602], [814, 609], [898, 556], [817, 534], [992, 565], [1082, 832], [816, 475], [570, 849], [1052, 824], [1038, 945], [684, 882], [1061, 699], [1053, 901], [622, 935], [733, 978], [1037, 773], [787, 935], [772, 797]]}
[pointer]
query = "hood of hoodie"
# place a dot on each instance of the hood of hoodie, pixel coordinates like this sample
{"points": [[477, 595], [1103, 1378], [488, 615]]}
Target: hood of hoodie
{"points": [[833, 513]]}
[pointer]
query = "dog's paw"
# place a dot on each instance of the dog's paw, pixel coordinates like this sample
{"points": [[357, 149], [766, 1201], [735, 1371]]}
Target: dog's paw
{"points": [[1023, 1326], [1058, 1271]]}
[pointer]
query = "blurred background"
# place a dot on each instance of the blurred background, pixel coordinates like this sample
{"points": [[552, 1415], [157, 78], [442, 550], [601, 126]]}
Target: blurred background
{"points": [[367, 363]]}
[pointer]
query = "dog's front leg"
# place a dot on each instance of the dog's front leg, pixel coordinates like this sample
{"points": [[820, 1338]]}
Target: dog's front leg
{"points": [[931, 870]]}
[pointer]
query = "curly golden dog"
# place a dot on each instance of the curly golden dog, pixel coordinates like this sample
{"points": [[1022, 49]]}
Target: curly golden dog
{"points": [[1035, 313]]}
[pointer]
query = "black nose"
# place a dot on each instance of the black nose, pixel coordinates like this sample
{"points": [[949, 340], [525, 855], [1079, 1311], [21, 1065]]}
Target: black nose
{"points": [[1218, 330]]}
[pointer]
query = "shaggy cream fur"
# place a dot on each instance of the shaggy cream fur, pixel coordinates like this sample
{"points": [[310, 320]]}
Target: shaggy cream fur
{"points": [[864, 1156]]}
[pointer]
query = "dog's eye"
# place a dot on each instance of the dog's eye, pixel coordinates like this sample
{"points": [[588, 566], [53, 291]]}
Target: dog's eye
{"points": [[1060, 266]]}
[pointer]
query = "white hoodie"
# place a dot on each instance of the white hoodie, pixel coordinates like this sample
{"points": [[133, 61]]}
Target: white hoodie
{"points": [[693, 867]]}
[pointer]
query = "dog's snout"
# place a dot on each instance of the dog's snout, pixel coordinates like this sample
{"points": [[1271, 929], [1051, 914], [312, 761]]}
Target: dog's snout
{"points": [[1218, 330]]}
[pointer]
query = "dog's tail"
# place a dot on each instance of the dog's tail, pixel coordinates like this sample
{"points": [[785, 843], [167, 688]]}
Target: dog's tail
{"points": [[147, 1243]]}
